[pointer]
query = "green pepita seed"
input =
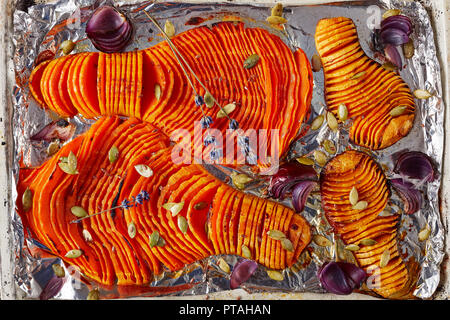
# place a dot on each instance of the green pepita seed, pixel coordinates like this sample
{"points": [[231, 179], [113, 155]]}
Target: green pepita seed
{"points": [[154, 238], [277, 10], [63, 159], [391, 12], [398, 111], [276, 234], [157, 91], [251, 61], [200, 205], [353, 196], [223, 265], [113, 154], [329, 146], [78, 211], [174, 207], [64, 166], [53, 148], [169, 29], [361, 205], [226, 110], [58, 270], [317, 122], [246, 253], [389, 66], [287, 245], [385, 257], [424, 234], [320, 157], [208, 99], [67, 46], [132, 230], [93, 294], [161, 242], [408, 49], [144, 170], [240, 179], [276, 20], [306, 161], [331, 121], [342, 112], [321, 241], [72, 161], [316, 63], [87, 235], [357, 75], [275, 275], [182, 224], [368, 242], [27, 199], [422, 94], [352, 247], [73, 254]]}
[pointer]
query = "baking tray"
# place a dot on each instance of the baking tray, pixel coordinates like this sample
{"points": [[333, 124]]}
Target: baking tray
{"points": [[438, 14]]}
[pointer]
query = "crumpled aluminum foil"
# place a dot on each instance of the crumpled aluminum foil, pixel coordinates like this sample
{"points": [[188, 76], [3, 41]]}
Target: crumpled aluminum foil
{"points": [[42, 28]]}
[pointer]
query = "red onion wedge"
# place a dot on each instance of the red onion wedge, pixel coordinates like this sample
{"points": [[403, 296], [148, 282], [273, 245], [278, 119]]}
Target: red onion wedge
{"points": [[109, 30], [392, 54], [52, 288], [412, 198], [300, 194], [415, 165], [61, 129], [242, 271], [341, 277]]}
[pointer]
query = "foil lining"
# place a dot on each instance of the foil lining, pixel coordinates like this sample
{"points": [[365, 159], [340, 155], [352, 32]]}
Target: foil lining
{"points": [[45, 26]]}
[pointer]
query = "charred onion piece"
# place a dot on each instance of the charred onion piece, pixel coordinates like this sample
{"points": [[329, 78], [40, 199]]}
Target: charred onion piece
{"points": [[242, 272], [341, 277], [61, 129], [415, 165], [411, 197], [300, 194]]}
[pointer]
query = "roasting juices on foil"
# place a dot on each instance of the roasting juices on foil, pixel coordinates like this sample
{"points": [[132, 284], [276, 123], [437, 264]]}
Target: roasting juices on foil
{"points": [[348, 202]]}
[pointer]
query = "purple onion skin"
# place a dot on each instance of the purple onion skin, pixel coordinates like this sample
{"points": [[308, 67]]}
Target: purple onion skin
{"points": [[288, 175], [392, 54], [52, 288], [411, 197], [300, 194], [61, 129], [395, 37], [399, 22], [341, 277], [242, 272], [415, 165]]}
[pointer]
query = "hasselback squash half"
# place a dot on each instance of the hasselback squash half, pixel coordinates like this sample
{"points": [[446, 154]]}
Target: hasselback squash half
{"points": [[212, 217], [369, 91], [380, 257]]}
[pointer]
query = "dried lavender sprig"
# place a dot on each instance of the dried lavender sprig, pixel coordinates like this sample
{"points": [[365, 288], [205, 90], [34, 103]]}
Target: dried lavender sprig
{"points": [[126, 204]]}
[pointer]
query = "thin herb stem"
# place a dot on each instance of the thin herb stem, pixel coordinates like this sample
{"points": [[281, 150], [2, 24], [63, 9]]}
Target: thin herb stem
{"points": [[95, 214]]}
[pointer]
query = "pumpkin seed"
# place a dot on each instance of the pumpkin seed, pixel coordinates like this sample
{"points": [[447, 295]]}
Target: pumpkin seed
{"points": [[352, 247], [113, 154], [67, 46], [317, 122], [321, 240], [27, 199], [276, 234], [157, 91], [422, 94], [132, 229], [316, 63], [174, 207], [226, 110], [154, 238], [329, 146], [398, 111], [87, 235], [320, 157], [424, 234], [275, 275], [93, 294], [361, 205], [78, 211], [63, 159], [169, 29], [251, 61], [74, 253], [389, 66], [391, 12], [331, 121], [246, 253], [385, 213], [385, 257], [276, 20], [240, 179], [161, 242], [353, 196], [200, 206], [208, 99], [182, 224], [408, 49], [53, 148], [72, 161], [64, 166], [357, 75], [144, 170], [223, 265], [306, 161], [287, 245], [58, 270], [368, 242], [342, 112], [277, 10]]}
